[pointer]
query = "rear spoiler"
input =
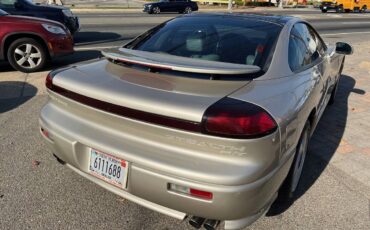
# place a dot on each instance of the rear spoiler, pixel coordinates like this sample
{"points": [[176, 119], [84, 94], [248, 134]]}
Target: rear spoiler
{"points": [[177, 63]]}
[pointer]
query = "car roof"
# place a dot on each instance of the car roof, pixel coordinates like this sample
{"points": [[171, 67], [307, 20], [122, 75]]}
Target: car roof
{"points": [[277, 19]]}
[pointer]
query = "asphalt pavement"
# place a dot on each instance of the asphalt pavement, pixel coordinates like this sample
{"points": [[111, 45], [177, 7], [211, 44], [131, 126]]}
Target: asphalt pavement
{"points": [[38, 193]]}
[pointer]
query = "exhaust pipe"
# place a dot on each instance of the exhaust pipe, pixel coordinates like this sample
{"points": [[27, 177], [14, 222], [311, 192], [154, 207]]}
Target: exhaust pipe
{"points": [[196, 221], [211, 224]]}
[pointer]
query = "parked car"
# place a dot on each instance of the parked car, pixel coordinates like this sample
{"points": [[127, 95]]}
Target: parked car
{"points": [[28, 43], [341, 6], [56, 13], [181, 6], [325, 6], [206, 115]]}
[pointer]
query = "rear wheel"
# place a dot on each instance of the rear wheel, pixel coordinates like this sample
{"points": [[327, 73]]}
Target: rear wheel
{"points": [[324, 11], [290, 184], [156, 10], [187, 10], [27, 55]]}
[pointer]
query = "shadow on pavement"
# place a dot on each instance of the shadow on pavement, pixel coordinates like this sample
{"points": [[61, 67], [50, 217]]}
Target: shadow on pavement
{"points": [[76, 57], [14, 94], [324, 142], [92, 37]]}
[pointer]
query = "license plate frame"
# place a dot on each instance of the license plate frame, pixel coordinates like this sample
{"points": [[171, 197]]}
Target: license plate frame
{"points": [[105, 169]]}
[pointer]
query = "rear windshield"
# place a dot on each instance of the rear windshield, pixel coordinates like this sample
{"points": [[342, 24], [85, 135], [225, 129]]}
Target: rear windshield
{"points": [[239, 40]]}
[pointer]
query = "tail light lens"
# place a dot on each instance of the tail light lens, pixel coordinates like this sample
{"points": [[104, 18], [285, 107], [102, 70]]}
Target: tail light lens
{"points": [[237, 119], [191, 191], [50, 76], [49, 81]]}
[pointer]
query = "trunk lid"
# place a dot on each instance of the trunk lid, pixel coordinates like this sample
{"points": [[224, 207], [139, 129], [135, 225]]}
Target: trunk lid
{"points": [[166, 95]]}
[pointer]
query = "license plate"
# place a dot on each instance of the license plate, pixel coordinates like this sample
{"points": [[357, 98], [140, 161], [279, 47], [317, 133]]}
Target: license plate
{"points": [[324, 7], [109, 168]]}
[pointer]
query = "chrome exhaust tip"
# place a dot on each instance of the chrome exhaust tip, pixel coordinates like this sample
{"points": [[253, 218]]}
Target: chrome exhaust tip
{"points": [[211, 224], [196, 221]]}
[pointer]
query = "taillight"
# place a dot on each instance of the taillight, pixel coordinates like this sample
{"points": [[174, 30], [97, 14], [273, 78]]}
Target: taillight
{"points": [[237, 119], [50, 76], [190, 191], [49, 81]]}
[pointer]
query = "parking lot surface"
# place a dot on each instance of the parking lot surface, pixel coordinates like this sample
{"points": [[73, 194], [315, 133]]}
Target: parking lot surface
{"points": [[38, 193]]}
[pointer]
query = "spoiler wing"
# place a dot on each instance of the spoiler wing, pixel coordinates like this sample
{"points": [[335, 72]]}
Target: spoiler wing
{"points": [[177, 63]]}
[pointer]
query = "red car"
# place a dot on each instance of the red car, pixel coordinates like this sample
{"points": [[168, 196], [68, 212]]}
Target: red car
{"points": [[28, 43]]}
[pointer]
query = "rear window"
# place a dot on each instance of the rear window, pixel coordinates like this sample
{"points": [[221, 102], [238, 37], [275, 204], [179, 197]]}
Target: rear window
{"points": [[239, 40]]}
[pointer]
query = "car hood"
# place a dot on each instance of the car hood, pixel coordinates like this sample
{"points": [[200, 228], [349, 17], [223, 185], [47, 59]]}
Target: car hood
{"points": [[28, 20]]}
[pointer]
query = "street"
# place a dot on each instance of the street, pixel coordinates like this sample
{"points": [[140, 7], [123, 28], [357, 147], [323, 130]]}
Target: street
{"points": [[36, 192]]}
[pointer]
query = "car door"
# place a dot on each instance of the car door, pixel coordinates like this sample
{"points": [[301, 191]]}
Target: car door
{"points": [[179, 5], [315, 59]]}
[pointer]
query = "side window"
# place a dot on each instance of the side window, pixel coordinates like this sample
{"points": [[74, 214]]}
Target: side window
{"points": [[7, 2], [321, 47], [303, 37], [298, 54]]}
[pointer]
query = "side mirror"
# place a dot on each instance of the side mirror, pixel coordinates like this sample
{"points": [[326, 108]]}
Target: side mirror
{"points": [[343, 48]]}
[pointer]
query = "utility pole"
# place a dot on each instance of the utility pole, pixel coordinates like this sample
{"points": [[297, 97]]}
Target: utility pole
{"points": [[229, 6]]}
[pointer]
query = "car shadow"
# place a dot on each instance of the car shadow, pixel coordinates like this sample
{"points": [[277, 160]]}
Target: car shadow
{"points": [[324, 142], [91, 38], [14, 94], [78, 57]]}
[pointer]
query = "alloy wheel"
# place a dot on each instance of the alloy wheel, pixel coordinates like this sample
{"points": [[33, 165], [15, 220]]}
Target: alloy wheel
{"points": [[187, 10], [156, 10], [27, 56]]}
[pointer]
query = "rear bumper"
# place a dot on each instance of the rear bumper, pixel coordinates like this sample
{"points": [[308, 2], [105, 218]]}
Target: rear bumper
{"points": [[236, 204]]}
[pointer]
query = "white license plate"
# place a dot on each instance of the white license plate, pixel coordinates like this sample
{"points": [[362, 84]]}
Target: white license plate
{"points": [[109, 168], [325, 7]]}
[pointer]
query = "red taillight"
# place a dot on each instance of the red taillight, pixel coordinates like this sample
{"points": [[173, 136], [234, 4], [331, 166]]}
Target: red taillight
{"points": [[237, 119], [201, 194], [190, 191], [49, 81]]}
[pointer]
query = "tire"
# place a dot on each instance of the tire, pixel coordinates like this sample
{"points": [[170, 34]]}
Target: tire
{"points": [[339, 9], [27, 55], [333, 93], [187, 10], [156, 10], [347, 10], [324, 11], [363, 10], [290, 184]]}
